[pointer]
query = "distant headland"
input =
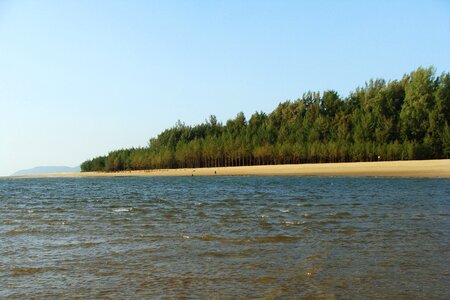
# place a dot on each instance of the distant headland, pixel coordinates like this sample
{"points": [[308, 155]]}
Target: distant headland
{"points": [[46, 170]]}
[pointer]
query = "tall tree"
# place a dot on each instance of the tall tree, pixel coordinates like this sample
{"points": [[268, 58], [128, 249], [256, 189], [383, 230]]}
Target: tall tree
{"points": [[418, 103]]}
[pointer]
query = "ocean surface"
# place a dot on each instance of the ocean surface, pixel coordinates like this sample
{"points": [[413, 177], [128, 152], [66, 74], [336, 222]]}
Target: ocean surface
{"points": [[225, 238]]}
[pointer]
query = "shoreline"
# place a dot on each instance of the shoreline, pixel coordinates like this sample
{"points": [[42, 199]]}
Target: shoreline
{"points": [[439, 168]]}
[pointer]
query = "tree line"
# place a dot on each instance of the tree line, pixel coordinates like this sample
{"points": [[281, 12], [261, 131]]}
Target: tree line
{"points": [[396, 120]]}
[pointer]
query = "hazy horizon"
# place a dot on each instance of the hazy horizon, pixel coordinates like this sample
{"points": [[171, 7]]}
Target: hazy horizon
{"points": [[80, 79]]}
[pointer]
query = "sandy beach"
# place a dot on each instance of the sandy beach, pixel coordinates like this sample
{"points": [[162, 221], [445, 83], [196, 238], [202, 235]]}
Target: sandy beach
{"points": [[416, 168]]}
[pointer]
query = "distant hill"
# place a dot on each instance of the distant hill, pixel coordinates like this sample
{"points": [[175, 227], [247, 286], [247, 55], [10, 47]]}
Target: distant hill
{"points": [[46, 170]]}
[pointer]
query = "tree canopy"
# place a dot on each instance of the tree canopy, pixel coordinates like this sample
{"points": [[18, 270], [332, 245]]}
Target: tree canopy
{"points": [[395, 120]]}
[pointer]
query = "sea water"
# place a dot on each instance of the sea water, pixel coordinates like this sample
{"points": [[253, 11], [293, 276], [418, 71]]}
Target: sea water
{"points": [[225, 237]]}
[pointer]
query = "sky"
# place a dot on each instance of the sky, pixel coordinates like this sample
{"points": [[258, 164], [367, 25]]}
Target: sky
{"points": [[81, 78]]}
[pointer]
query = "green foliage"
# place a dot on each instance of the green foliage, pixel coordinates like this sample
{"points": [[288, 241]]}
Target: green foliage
{"points": [[397, 120], [446, 141], [419, 100]]}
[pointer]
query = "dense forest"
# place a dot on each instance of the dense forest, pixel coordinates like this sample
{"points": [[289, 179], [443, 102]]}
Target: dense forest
{"points": [[395, 120]]}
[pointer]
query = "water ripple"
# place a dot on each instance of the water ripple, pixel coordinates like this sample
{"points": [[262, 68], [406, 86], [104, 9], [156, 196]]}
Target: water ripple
{"points": [[224, 238]]}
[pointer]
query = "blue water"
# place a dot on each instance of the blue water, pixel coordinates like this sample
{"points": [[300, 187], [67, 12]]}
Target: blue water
{"points": [[225, 238]]}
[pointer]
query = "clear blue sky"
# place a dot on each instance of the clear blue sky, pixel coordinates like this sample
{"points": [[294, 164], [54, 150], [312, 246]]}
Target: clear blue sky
{"points": [[81, 78]]}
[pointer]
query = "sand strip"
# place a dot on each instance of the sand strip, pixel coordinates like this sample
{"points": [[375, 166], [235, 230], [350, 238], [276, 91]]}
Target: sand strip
{"points": [[413, 168]]}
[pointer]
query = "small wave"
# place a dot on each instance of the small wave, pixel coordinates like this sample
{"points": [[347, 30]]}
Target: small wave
{"points": [[326, 205], [299, 198], [186, 237], [208, 238], [216, 254], [294, 223], [263, 216], [284, 210], [18, 231], [122, 209], [315, 257], [442, 215], [265, 279], [76, 244], [201, 214], [347, 230], [130, 209], [277, 239], [326, 222], [211, 238], [148, 226], [26, 271], [306, 215], [340, 215]]}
